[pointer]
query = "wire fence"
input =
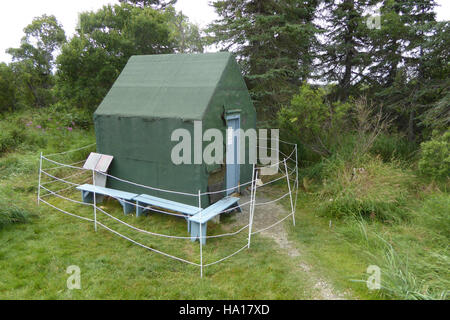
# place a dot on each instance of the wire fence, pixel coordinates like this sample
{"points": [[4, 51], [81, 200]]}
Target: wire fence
{"points": [[69, 183]]}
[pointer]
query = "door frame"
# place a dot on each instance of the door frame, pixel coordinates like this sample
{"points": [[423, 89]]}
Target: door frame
{"points": [[235, 166]]}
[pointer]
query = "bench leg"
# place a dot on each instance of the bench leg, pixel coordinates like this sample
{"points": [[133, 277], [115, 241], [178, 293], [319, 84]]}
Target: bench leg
{"points": [[195, 231], [139, 209], [216, 219], [237, 208], [87, 197], [127, 207]]}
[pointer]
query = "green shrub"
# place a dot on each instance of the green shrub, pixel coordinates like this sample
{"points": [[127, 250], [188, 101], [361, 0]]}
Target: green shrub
{"points": [[8, 89], [71, 117], [435, 157], [10, 139], [49, 130], [314, 121]]}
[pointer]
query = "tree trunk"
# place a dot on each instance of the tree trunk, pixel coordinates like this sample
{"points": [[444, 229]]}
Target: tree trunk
{"points": [[411, 136], [350, 45]]}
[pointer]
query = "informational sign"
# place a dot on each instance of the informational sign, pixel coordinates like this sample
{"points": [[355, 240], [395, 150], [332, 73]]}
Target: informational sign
{"points": [[100, 163]]}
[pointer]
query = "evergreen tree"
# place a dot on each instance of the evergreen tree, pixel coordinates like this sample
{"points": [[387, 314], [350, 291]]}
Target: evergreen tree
{"points": [[345, 50], [406, 73], [401, 39], [273, 41]]}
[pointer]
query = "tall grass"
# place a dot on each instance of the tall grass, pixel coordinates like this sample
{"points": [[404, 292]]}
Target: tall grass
{"points": [[22, 136], [399, 276], [434, 215], [367, 189], [393, 217], [43, 130], [11, 213], [398, 281]]}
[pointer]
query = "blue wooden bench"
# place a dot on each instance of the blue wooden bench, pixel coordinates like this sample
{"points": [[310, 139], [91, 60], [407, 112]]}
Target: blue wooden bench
{"points": [[145, 199], [200, 219], [87, 194], [197, 218]]}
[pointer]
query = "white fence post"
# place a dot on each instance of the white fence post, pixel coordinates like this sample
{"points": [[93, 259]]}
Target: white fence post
{"points": [[201, 236], [290, 192], [296, 177], [251, 204], [39, 181], [252, 208], [95, 201]]}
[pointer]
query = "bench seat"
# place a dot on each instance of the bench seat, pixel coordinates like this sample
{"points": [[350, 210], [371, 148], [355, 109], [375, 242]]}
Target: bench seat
{"points": [[200, 219], [164, 204], [88, 190], [197, 218]]}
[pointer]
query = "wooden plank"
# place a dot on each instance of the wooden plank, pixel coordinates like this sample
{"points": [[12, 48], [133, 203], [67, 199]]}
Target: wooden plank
{"points": [[213, 210], [107, 191], [166, 204]]}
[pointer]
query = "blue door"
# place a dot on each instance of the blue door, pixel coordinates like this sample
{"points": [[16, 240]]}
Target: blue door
{"points": [[233, 139]]}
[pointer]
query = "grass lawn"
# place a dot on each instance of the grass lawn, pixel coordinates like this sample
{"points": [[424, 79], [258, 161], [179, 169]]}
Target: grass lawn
{"points": [[34, 258]]}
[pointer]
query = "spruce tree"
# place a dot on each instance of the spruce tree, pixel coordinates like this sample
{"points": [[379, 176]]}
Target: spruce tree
{"points": [[273, 41], [345, 50]]}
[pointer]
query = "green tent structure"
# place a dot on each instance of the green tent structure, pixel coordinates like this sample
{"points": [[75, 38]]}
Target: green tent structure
{"points": [[157, 94]]}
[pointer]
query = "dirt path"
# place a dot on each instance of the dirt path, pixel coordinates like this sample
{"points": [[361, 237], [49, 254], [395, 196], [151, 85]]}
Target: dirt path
{"points": [[267, 214]]}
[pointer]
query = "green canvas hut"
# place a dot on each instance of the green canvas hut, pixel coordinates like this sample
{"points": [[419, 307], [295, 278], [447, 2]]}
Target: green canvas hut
{"points": [[157, 94]]}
